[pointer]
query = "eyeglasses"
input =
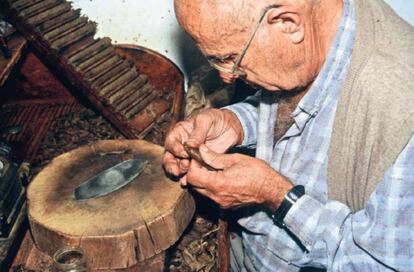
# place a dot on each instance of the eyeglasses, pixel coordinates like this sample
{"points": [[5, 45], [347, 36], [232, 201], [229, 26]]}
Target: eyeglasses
{"points": [[218, 62]]}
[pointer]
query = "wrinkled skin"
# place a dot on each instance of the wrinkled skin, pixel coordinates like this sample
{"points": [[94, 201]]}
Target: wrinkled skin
{"points": [[287, 52], [218, 129], [239, 180]]}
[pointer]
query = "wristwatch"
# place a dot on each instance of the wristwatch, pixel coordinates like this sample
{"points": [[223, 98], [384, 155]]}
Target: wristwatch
{"points": [[290, 198]]}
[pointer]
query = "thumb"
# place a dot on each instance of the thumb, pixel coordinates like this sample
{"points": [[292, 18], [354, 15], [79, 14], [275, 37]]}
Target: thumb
{"points": [[216, 160]]}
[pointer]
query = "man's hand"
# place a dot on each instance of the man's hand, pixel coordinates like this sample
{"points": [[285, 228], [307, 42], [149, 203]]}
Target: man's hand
{"points": [[239, 180], [218, 129]]}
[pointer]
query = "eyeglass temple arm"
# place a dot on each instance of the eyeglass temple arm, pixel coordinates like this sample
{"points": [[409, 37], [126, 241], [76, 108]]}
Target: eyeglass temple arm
{"points": [[251, 36]]}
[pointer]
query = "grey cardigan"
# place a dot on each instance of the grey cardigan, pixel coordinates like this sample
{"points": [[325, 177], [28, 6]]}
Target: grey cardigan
{"points": [[375, 116]]}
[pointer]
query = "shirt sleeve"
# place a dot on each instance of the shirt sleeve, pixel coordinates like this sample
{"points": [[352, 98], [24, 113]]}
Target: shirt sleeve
{"points": [[247, 113], [378, 238]]}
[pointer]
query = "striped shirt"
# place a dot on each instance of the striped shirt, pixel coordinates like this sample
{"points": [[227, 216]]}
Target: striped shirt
{"points": [[321, 232]]}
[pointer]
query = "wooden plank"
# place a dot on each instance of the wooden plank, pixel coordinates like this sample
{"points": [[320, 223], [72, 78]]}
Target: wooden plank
{"points": [[223, 245], [24, 251], [17, 44]]}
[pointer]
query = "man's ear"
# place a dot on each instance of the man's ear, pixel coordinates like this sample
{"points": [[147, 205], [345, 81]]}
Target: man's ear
{"points": [[289, 22]]}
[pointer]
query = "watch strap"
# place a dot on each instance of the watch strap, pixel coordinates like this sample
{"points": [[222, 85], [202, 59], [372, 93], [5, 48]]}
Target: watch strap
{"points": [[290, 198]]}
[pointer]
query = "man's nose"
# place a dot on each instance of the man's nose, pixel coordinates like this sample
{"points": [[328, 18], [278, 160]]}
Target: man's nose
{"points": [[227, 77]]}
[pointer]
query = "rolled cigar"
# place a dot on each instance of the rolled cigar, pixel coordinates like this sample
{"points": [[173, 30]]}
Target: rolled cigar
{"points": [[39, 8], [112, 75], [22, 4], [53, 12], [120, 81], [105, 67], [119, 94], [87, 29], [75, 49], [65, 28], [86, 53], [57, 21], [91, 63]]}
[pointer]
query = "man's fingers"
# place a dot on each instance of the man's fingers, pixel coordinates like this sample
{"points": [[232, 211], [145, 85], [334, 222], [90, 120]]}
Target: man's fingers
{"points": [[183, 181], [217, 160], [202, 125], [175, 139], [171, 164], [184, 164], [200, 177]]}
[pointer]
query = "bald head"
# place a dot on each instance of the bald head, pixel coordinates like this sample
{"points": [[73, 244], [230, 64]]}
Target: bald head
{"points": [[209, 21], [294, 36]]}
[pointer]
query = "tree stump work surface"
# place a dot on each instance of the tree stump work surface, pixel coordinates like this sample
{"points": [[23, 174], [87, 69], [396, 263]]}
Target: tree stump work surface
{"points": [[115, 231]]}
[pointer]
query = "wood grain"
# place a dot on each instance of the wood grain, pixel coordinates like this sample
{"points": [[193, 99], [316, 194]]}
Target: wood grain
{"points": [[118, 230], [17, 44]]}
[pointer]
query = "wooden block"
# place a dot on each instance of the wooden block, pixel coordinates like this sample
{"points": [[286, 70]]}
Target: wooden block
{"points": [[116, 231]]}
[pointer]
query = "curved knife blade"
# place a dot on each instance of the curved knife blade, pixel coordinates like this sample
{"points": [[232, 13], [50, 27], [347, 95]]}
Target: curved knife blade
{"points": [[110, 180]]}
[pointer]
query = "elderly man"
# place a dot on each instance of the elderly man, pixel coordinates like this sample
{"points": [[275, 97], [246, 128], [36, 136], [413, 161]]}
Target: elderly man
{"points": [[332, 184]]}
